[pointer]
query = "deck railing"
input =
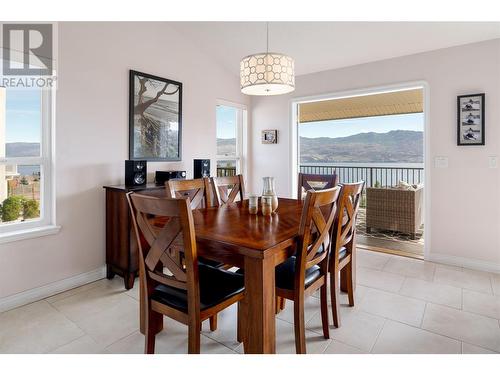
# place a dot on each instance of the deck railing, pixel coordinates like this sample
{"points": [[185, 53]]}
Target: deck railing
{"points": [[374, 176]]}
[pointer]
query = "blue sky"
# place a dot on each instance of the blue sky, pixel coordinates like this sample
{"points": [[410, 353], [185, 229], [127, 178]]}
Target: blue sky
{"points": [[23, 116], [226, 121], [345, 128]]}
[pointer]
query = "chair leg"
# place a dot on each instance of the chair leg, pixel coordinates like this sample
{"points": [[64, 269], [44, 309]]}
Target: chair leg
{"points": [[282, 304], [324, 311], [350, 286], [194, 337], [213, 323], [335, 291], [300, 333], [241, 333], [153, 321]]}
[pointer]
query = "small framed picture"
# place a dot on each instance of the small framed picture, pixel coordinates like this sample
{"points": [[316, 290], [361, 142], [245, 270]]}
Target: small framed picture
{"points": [[269, 136], [470, 120]]}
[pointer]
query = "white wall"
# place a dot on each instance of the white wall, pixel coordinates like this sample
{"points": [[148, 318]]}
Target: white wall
{"points": [[92, 136], [465, 197]]}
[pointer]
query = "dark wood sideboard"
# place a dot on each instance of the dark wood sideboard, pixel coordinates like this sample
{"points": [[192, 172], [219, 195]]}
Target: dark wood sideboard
{"points": [[121, 245]]}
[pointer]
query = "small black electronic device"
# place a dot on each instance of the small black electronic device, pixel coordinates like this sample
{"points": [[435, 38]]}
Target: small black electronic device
{"points": [[201, 168], [162, 176], [136, 172]]}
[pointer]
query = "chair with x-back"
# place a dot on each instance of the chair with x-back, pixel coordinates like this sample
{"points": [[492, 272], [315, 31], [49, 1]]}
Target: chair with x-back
{"points": [[307, 181], [228, 189], [198, 190], [301, 275], [343, 234], [185, 291]]}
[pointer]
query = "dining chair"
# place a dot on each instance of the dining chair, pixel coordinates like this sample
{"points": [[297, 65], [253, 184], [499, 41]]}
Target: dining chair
{"points": [[188, 292], [315, 182], [198, 190], [227, 189], [343, 234], [307, 271]]}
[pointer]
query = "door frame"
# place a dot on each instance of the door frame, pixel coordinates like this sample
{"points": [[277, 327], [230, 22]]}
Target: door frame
{"points": [[294, 140]]}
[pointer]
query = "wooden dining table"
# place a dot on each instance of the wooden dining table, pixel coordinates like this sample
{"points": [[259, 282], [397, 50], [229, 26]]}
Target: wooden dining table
{"points": [[257, 244]]}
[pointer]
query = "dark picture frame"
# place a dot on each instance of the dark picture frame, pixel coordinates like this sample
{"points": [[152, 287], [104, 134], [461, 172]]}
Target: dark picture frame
{"points": [[471, 120], [155, 118]]}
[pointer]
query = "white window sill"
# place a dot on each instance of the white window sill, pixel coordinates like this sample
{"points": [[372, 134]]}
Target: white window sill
{"points": [[26, 234]]}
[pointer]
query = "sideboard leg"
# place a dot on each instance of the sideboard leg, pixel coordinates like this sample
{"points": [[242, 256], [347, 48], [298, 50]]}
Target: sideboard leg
{"points": [[129, 280], [109, 272]]}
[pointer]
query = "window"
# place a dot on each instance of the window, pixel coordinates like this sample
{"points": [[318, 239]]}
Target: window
{"points": [[231, 125], [25, 160]]}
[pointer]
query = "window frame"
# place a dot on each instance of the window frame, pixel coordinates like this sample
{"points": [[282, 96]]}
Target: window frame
{"points": [[45, 224], [241, 137]]}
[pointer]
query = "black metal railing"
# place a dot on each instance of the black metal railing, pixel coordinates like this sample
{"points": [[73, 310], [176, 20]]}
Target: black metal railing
{"points": [[226, 171], [374, 176]]}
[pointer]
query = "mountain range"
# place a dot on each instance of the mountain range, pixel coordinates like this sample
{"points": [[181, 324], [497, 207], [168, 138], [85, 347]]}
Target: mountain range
{"points": [[396, 146]]}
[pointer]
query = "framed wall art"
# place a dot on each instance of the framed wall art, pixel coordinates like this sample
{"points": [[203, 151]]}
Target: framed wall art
{"points": [[155, 118], [470, 120], [269, 136]]}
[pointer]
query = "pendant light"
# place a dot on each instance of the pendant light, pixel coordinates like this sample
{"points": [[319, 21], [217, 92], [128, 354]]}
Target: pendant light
{"points": [[267, 73]]}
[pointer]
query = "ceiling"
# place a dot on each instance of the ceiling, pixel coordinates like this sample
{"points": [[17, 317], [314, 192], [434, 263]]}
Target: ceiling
{"points": [[384, 104], [318, 46]]}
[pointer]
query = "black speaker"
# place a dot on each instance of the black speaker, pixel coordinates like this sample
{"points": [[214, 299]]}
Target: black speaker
{"points": [[162, 176], [136, 172], [201, 168]]}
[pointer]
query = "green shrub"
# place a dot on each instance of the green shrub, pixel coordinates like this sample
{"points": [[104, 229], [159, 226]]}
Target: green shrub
{"points": [[12, 208], [31, 209]]}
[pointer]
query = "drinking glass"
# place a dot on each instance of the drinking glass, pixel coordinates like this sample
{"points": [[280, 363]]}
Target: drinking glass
{"points": [[253, 204]]}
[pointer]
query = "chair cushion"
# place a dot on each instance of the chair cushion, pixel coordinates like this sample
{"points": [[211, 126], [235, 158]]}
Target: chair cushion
{"points": [[216, 286], [210, 262], [285, 274]]}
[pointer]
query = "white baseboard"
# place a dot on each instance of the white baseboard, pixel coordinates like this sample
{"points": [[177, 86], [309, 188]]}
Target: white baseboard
{"points": [[473, 264], [36, 294]]}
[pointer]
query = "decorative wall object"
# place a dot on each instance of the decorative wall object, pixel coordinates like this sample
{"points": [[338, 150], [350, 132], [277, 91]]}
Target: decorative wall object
{"points": [[269, 136], [155, 118], [470, 120]]}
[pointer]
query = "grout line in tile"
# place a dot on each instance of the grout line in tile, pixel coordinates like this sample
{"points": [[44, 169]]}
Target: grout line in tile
{"points": [[378, 335], [423, 315]]}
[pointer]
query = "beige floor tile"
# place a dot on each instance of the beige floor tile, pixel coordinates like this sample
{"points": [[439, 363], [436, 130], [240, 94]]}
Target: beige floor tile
{"points": [[415, 268], [112, 323], [74, 291], [226, 328], [480, 303], [398, 338], [285, 340], [35, 328], [371, 259], [336, 347], [432, 292], [473, 349], [464, 326], [311, 308], [357, 328], [379, 280], [105, 296], [495, 282], [473, 280], [172, 340], [389, 305], [82, 345], [134, 292]]}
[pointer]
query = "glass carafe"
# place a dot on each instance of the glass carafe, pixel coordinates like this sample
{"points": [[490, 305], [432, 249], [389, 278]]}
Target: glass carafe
{"points": [[269, 190]]}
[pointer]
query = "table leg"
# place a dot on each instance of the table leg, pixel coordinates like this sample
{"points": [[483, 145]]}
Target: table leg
{"points": [[260, 325]]}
